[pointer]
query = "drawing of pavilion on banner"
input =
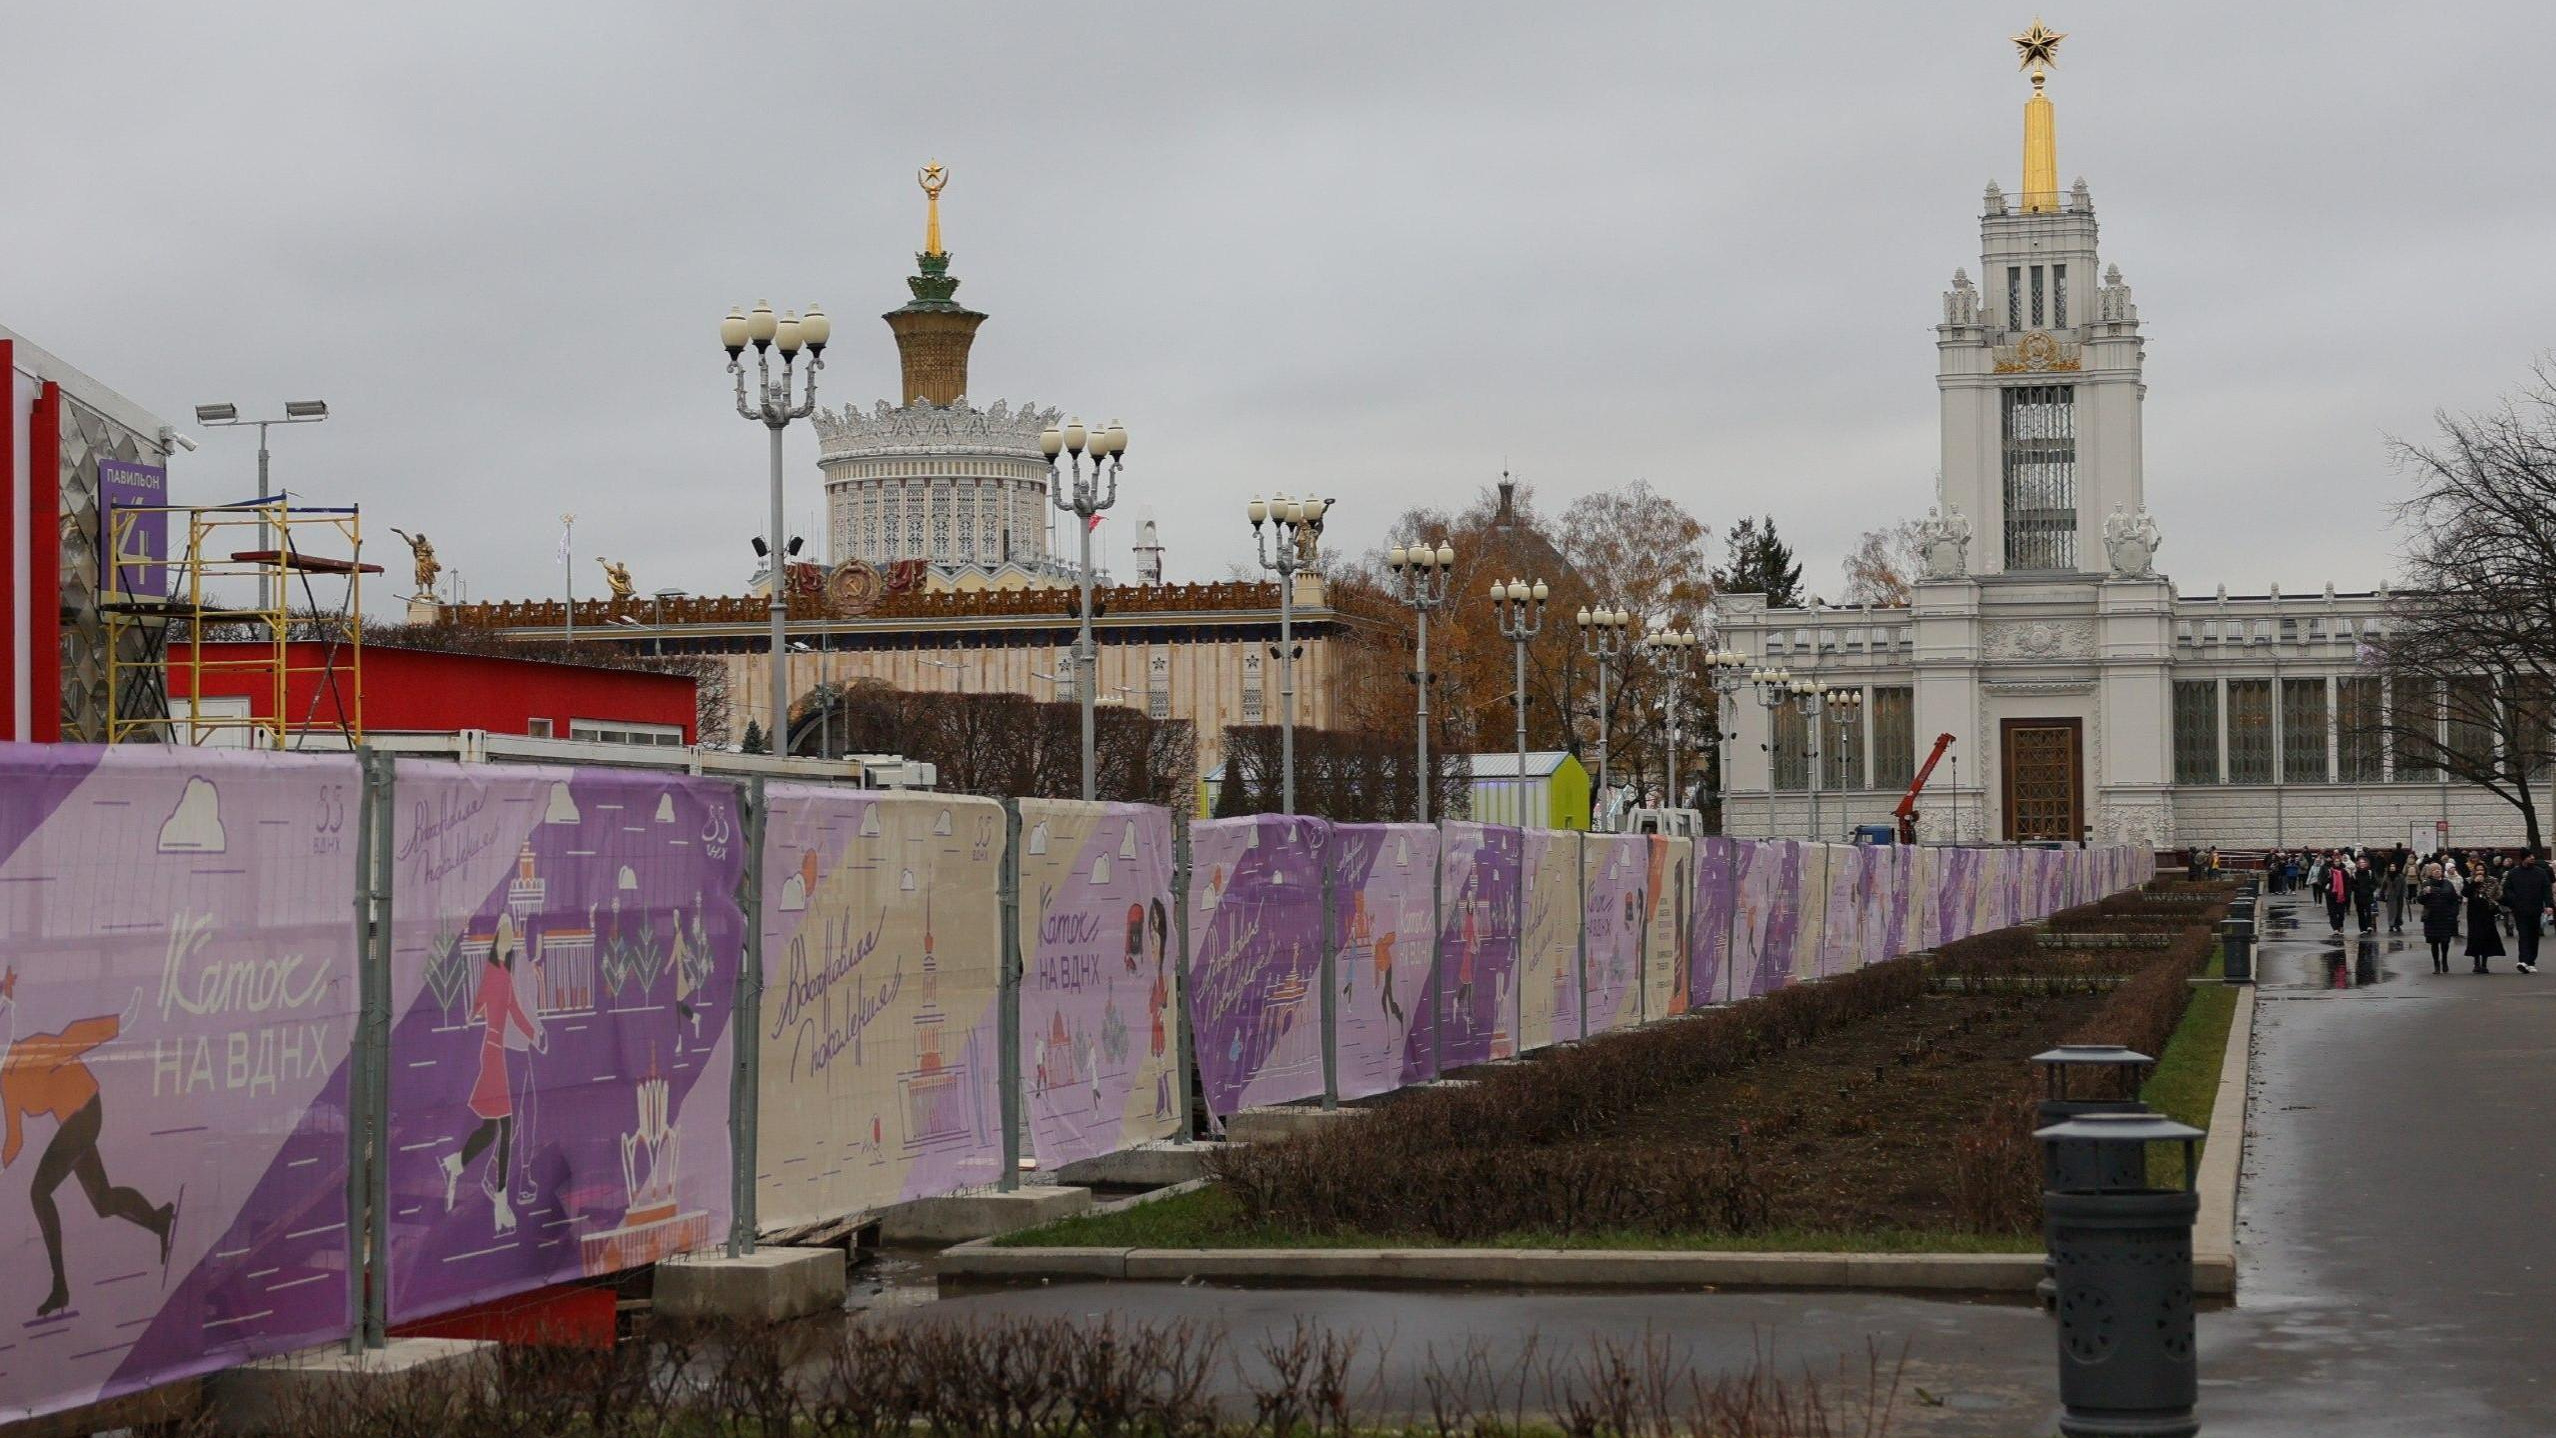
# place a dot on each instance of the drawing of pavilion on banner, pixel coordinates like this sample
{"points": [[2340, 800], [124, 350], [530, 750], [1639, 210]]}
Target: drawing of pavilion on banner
{"points": [[935, 1089], [562, 955], [654, 1226]]}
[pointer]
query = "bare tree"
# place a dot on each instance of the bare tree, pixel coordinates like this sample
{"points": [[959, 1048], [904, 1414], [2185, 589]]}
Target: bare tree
{"points": [[1883, 567], [2470, 648]]}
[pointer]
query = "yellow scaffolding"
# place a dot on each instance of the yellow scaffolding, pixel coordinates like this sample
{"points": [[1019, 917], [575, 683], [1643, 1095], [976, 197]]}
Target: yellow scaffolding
{"points": [[234, 583]]}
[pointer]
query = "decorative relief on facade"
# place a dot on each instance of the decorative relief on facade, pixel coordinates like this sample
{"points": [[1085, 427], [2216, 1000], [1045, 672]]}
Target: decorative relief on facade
{"points": [[2025, 688], [2038, 639], [2130, 541], [929, 428], [2039, 352], [2145, 822], [1943, 539]]}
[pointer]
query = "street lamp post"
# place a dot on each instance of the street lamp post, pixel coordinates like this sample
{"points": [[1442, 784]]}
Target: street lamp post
{"points": [[1521, 607], [299, 411], [1419, 576], [1603, 634], [1844, 707], [1677, 651], [1081, 495], [1299, 535], [774, 411], [1726, 670], [1776, 688]]}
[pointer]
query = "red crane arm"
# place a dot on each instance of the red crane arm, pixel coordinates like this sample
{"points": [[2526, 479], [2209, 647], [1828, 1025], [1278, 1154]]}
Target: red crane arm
{"points": [[1907, 810]]}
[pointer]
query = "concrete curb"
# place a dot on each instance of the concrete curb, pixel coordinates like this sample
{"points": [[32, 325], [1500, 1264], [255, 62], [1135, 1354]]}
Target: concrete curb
{"points": [[1508, 1267], [2223, 1158]]}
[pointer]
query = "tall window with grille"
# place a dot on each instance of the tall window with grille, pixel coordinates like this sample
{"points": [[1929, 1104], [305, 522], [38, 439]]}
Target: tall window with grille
{"points": [[2196, 731], [2359, 734], [2472, 723], [1894, 729], [2040, 443], [2249, 731], [2529, 708], [2414, 727], [2303, 731], [1841, 753], [1792, 748]]}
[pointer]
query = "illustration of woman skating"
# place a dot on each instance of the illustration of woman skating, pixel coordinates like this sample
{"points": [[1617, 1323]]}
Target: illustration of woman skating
{"points": [[47, 1076], [492, 1095]]}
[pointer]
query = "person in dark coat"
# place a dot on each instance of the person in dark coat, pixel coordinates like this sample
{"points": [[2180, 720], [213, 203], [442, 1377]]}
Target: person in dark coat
{"points": [[2336, 889], [2439, 904], [2393, 889], [2484, 903], [2365, 890], [2526, 893]]}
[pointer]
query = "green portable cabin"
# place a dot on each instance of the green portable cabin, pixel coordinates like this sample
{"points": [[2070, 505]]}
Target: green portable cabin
{"points": [[1553, 793]]}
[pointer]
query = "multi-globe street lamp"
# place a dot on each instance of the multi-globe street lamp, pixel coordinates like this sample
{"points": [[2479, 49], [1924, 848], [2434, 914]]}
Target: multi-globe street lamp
{"points": [[1299, 526], [1080, 494], [1521, 607], [1844, 707], [1778, 690], [1419, 576], [1727, 671], [1676, 649], [1604, 633], [773, 409]]}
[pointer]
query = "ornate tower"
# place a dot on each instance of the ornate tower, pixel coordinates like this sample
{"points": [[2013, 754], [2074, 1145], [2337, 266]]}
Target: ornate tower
{"points": [[933, 331], [2038, 368], [932, 478]]}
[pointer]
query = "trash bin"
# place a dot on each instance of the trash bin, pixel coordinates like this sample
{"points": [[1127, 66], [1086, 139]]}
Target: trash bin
{"points": [[2123, 1257]]}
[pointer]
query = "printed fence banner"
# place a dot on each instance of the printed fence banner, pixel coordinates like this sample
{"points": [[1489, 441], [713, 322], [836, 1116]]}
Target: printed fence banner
{"points": [[1812, 896], [564, 959], [1549, 951], [1618, 868], [1384, 909], [1716, 903], [1255, 969], [1886, 918], [1925, 902], [177, 992], [882, 956], [1477, 945], [1842, 927], [1763, 921], [1097, 987], [1671, 886], [1956, 880]]}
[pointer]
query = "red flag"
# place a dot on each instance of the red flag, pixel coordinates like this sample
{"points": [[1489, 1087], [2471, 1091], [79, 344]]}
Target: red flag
{"points": [[1094, 521]]}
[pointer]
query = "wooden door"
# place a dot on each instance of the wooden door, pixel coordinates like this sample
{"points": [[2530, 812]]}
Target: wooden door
{"points": [[2045, 778]]}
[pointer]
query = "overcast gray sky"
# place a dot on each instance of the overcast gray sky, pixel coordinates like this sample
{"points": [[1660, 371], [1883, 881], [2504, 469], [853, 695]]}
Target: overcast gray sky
{"points": [[1372, 250]]}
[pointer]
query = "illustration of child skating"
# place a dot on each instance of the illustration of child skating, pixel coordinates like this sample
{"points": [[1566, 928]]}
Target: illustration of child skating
{"points": [[47, 1075], [492, 1096]]}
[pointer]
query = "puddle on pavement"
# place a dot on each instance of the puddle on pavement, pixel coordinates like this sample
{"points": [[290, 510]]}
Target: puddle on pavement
{"points": [[892, 1278]]}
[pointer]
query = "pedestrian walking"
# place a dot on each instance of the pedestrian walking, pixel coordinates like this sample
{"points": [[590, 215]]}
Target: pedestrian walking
{"points": [[2365, 886], [2393, 890], [2439, 905], [2484, 936], [2337, 889], [2525, 894]]}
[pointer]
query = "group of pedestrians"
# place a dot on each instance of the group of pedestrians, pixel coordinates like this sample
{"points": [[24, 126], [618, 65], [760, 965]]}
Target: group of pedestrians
{"points": [[2452, 892]]}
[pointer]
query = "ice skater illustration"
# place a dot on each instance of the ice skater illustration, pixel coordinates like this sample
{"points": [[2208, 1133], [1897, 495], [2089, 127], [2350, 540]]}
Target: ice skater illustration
{"points": [[47, 1076], [492, 1097], [1158, 1002]]}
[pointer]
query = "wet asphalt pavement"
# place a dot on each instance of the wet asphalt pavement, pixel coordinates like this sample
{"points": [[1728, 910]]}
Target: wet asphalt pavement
{"points": [[2394, 1256]]}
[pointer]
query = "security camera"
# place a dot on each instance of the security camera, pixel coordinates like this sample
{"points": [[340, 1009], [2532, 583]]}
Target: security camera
{"points": [[169, 437]]}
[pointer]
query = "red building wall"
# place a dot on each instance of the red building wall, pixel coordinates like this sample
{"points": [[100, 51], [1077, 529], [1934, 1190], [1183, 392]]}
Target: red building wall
{"points": [[423, 689]]}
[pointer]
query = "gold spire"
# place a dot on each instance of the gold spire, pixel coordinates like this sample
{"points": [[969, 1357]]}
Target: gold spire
{"points": [[2039, 48], [934, 179]]}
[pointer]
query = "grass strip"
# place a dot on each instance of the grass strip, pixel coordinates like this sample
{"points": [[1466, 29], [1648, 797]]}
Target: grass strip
{"points": [[2186, 1082], [1209, 1218]]}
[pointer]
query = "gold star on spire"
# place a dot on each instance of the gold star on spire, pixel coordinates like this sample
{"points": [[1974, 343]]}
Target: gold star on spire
{"points": [[2039, 47]]}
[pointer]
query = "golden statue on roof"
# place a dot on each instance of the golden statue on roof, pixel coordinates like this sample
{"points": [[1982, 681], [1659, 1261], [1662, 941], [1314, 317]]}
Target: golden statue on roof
{"points": [[934, 179]]}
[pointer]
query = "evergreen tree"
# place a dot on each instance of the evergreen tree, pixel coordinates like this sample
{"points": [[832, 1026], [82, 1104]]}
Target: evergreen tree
{"points": [[1760, 563], [755, 743]]}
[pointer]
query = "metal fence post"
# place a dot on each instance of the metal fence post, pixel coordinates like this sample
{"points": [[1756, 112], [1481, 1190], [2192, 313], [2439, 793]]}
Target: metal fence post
{"points": [[1008, 1002], [359, 1131], [1183, 1039], [745, 1079], [371, 1065], [1581, 962], [1437, 955], [1329, 968]]}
